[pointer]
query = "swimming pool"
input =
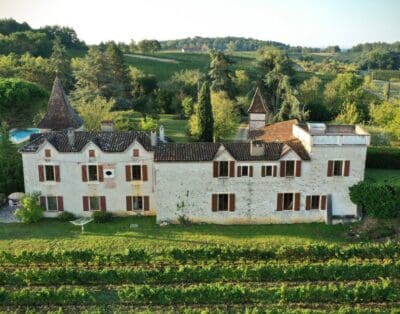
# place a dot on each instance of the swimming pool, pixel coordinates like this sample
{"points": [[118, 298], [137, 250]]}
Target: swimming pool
{"points": [[21, 135]]}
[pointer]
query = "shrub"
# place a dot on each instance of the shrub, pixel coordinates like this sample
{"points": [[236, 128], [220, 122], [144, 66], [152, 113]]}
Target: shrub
{"points": [[184, 221], [30, 210], [101, 217], [383, 157], [66, 216], [3, 198], [379, 200]]}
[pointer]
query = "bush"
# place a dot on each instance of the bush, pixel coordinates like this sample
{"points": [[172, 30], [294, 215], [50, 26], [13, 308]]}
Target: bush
{"points": [[66, 216], [383, 158], [3, 198], [101, 217], [379, 200], [30, 210]]}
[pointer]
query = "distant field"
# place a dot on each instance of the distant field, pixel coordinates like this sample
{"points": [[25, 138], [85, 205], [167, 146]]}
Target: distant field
{"points": [[390, 176], [380, 85]]}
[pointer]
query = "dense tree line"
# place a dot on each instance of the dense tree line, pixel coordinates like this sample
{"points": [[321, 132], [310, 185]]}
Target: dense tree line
{"points": [[20, 38]]}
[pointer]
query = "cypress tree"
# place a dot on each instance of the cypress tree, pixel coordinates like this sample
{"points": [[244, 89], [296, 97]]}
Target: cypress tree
{"points": [[61, 64], [205, 115], [118, 71]]}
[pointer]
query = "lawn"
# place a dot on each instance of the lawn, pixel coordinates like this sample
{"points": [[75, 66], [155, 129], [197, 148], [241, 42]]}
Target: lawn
{"points": [[391, 176], [116, 236]]}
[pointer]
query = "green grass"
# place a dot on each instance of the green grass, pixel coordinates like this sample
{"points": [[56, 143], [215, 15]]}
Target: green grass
{"points": [[116, 236], [383, 175]]}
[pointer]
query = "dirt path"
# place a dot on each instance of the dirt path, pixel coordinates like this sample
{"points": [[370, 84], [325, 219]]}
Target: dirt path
{"points": [[241, 133], [152, 58]]}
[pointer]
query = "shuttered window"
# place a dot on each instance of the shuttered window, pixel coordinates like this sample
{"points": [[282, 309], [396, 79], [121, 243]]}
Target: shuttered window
{"points": [[92, 173], [290, 168], [49, 173], [47, 153], [245, 171], [338, 168], [52, 203], [223, 169], [136, 173], [268, 171], [223, 202], [288, 201], [315, 202], [137, 203], [94, 203]]}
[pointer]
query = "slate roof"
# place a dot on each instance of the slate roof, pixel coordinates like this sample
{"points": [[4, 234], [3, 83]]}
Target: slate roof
{"points": [[59, 115], [187, 152], [110, 142], [258, 104], [281, 132]]}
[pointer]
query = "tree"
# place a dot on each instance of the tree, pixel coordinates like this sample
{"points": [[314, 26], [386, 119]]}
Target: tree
{"points": [[310, 96], [220, 73], [61, 64], [387, 116], [348, 115], [224, 114], [36, 69], [8, 26], [92, 77], [204, 115], [95, 111], [187, 106], [118, 71], [231, 47], [11, 175], [30, 210], [150, 46]]}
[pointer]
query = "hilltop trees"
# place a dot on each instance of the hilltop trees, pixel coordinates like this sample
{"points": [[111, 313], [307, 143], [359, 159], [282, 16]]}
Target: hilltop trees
{"points": [[149, 46]]}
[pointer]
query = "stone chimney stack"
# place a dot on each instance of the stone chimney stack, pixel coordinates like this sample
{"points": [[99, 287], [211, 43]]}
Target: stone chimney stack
{"points": [[257, 148], [71, 136], [162, 134], [153, 138], [107, 126]]}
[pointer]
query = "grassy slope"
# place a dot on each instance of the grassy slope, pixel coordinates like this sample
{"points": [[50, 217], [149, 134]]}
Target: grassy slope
{"points": [[383, 175], [116, 235]]}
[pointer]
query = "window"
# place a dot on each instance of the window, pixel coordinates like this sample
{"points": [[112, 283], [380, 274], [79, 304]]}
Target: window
{"points": [[268, 171], [50, 173], [47, 153], [94, 203], [289, 168], [135, 152], [92, 171], [52, 203], [315, 202], [338, 167], [137, 203], [288, 201], [223, 202], [245, 171], [136, 172], [92, 153], [223, 169]]}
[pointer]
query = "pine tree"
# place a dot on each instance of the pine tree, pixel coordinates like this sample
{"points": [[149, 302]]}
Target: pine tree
{"points": [[221, 74], [11, 177], [61, 64], [205, 115], [118, 71]]}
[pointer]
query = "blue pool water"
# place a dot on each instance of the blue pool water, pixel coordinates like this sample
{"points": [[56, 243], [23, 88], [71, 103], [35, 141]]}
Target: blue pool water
{"points": [[21, 135]]}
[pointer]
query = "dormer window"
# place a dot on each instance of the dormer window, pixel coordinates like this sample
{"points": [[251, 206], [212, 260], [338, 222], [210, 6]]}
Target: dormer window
{"points": [[224, 169], [290, 168], [92, 153], [135, 152], [47, 153]]}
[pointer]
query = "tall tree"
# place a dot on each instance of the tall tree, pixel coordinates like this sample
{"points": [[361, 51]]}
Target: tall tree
{"points": [[61, 64], [118, 71], [221, 74], [92, 76], [11, 177], [224, 114], [205, 115]]}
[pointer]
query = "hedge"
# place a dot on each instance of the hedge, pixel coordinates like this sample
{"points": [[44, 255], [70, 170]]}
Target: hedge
{"points": [[383, 157]]}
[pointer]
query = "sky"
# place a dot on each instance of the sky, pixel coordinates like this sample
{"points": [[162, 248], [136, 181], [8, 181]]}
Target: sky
{"points": [[316, 23]]}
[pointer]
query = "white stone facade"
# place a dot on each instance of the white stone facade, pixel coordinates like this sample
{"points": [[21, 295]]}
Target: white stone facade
{"points": [[72, 188]]}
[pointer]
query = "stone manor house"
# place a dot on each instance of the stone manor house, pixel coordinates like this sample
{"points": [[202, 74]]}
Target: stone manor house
{"points": [[286, 172]]}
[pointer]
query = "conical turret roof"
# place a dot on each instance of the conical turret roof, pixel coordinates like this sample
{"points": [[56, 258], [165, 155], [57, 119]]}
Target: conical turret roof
{"points": [[59, 115], [258, 103]]}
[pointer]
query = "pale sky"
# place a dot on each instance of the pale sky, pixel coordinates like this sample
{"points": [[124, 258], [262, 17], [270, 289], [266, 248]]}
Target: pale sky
{"points": [[315, 23]]}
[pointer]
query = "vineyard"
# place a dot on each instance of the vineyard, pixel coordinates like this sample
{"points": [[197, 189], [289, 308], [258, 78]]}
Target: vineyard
{"points": [[354, 278]]}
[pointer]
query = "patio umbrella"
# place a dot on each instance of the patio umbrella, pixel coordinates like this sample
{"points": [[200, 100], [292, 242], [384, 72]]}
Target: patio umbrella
{"points": [[16, 196]]}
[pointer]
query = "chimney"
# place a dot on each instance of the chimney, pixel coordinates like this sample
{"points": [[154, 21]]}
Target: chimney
{"points": [[257, 148], [107, 126], [71, 136], [153, 138], [162, 135]]}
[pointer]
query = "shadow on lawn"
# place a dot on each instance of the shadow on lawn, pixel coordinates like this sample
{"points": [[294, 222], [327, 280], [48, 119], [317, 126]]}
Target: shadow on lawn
{"points": [[49, 229]]}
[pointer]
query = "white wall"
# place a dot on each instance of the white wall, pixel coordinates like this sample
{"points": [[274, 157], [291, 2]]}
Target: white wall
{"points": [[72, 188]]}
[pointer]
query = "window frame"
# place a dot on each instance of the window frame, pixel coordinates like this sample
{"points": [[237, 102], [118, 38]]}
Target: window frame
{"points": [[311, 202], [283, 201], [248, 170], [141, 198], [266, 171], [334, 168], [294, 168], [45, 172], [47, 203], [90, 204], [140, 170], [88, 172], [219, 168]]}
